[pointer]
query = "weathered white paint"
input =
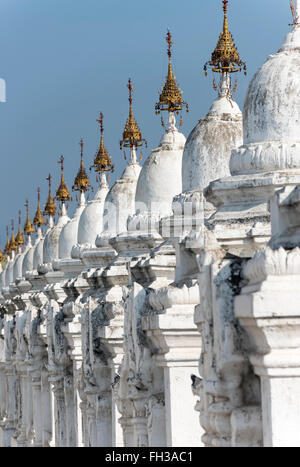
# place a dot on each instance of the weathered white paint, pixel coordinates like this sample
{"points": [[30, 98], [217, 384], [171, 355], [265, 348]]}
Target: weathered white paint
{"points": [[160, 178], [69, 234], [208, 147], [91, 220], [51, 242], [119, 203]]}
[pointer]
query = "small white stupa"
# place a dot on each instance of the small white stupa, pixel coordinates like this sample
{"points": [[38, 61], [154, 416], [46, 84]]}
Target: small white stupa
{"points": [[120, 201], [69, 234], [51, 242], [270, 155], [20, 252], [161, 178], [91, 220]]}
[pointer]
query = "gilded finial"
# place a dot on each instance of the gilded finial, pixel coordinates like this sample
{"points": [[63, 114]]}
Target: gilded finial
{"points": [[19, 237], [62, 193], [13, 245], [170, 98], [50, 208], [132, 135], [294, 14], [82, 182], [7, 246], [225, 58], [38, 220], [102, 161], [28, 227]]}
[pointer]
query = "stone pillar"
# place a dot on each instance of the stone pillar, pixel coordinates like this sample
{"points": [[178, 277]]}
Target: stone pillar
{"points": [[72, 332], [59, 411], [126, 422], [179, 343], [2, 399], [37, 408], [268, 308], [104, 419], [28, 408], [80, 410], [140, 420], [11, 404], [71, 411], [47, 412]]}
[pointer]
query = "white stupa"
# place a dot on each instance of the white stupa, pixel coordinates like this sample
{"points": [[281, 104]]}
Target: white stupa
{"points": [[161, 176], [69, 234], [120, 201], [91, 220], [51, 242], [208, 148], [270, 155]]}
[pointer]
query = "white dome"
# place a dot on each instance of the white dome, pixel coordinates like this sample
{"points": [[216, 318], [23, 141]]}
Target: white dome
{"points": [[17, 271], [38, 252], [27, 265], [208, 148], [272, 106], [160, 178], [5, 282], [119, 204], [51, 242], [272, 114], [29, 259], [69, 234], [91, 220], [10, 272], [22, 261]]}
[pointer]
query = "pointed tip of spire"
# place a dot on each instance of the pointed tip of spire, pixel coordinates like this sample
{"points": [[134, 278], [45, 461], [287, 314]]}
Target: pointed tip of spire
{"points": [[295, 9], [170, 43], [130, 89], [100, 121]]}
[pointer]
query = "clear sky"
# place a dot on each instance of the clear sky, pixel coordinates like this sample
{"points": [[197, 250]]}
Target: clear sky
{"points": [[64, 61]]}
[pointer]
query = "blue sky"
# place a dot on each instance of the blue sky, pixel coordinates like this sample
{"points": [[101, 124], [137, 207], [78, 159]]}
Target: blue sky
{"points": [[64, 61]]}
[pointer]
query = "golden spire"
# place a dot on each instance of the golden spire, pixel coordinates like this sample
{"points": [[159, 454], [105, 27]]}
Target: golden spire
{"points": [[295, 15], [28, 227], [102, 161], [81, 182], [225, 58], [50, 208], [170, 98], [62, 193], [1, 256], [13, 245], [19, 237], [132, 135], [38, 218], [7, 246]]}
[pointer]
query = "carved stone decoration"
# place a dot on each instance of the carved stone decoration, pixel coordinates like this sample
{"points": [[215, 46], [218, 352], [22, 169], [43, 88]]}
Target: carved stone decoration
{"points": [[227, 383]]}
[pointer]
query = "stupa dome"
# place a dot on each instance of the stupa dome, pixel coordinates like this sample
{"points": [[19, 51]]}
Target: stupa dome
{"points": [[160, 178], [208, 148]]}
